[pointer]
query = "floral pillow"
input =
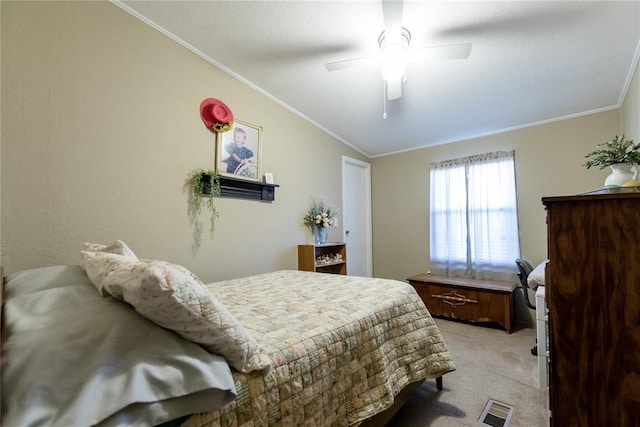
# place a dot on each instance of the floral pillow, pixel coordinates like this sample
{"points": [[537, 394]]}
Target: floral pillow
{"points": [[117, 247], [172, 297], [108, 268]]}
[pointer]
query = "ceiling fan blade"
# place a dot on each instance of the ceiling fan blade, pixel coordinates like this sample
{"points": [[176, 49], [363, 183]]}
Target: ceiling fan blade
{"points": [[348, 63], [450, 51], [394, 89], [392, 15]]}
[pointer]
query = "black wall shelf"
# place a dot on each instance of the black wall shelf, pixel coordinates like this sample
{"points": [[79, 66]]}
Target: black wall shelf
{"points": [[243, 189]]}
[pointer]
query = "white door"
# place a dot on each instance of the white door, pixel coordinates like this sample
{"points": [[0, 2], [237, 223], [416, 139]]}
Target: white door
{"points": [[356, 207]]}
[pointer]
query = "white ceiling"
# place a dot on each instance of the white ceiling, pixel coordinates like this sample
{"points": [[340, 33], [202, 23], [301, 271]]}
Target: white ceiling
{"points": [[531, 62]]}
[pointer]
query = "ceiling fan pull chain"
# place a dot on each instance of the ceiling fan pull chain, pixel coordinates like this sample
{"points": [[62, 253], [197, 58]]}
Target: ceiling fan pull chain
{"points": [[384, 102]]}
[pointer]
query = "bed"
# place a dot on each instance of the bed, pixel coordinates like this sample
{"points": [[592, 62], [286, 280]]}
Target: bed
{"points": [[290, 348]]}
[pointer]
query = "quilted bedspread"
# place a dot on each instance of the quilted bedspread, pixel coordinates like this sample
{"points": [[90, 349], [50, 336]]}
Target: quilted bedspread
{"points": [[340, 348]]}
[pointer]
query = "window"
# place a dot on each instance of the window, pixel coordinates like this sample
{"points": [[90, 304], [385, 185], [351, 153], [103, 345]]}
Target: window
{"points": [[474, 217]]}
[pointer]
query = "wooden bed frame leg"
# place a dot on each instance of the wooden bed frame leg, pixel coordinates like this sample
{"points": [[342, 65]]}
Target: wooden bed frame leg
{"points": [[439, 383]]}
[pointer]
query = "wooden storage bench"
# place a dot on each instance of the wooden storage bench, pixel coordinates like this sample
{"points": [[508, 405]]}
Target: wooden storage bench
{"points": [[466, 299]]}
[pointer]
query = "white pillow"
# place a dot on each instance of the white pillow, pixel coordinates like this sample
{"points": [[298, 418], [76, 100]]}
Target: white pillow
{"points": [[137, 374], [172, 297], [536, 277]]}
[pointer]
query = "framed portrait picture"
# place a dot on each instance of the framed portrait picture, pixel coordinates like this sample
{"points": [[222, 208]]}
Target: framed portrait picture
{"points": [[239, 151]]}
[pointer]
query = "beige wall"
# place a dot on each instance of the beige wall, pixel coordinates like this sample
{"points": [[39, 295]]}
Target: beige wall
{"points": [[1, 251], [631, 109], [100, 127]]}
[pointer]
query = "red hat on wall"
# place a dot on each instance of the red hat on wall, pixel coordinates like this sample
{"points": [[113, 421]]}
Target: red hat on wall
{"points": [[216, 115]]}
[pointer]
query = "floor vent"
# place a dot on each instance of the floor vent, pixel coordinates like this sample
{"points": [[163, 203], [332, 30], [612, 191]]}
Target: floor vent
{"points": [[496, 414]]}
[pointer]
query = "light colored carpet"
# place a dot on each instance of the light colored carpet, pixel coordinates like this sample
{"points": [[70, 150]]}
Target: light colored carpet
{"points": [[491, 364]]}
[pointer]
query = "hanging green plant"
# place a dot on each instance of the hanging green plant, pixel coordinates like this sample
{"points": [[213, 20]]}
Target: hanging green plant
{"points": [[204, 184]]}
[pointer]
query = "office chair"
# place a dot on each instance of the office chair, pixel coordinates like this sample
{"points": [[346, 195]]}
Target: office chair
{"points": [[524, 269]]}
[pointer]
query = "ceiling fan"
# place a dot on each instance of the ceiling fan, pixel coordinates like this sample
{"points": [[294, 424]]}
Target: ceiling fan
{"points": [[394, 43]]}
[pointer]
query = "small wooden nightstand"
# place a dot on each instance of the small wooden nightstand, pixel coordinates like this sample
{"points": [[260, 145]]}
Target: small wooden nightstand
{"points": [[308, 255], [467, 299]]}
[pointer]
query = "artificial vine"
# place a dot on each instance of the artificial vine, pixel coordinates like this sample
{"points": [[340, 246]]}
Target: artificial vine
{"points": [[204, 183]]}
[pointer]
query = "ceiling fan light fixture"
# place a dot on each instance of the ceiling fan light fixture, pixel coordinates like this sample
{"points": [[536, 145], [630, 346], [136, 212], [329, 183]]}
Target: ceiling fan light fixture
{"points": [[394, 55], [394, 62]]}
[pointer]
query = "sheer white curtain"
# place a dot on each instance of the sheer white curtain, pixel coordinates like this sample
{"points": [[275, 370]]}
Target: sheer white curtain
{"points": [[474, 217]]}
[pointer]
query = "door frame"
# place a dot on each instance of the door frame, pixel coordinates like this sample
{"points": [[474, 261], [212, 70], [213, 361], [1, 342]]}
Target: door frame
{"points": [[368, 232]]}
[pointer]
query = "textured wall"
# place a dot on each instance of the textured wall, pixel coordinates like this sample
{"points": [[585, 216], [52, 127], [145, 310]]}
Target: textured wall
{"points": [[100, 127]]}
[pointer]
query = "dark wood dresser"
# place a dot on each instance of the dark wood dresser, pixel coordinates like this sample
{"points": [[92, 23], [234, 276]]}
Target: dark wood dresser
{"points": [[593, 296]]}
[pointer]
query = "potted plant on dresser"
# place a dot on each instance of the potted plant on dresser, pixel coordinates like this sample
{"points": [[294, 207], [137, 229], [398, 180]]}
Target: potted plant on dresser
{"points": [[621, 155]]}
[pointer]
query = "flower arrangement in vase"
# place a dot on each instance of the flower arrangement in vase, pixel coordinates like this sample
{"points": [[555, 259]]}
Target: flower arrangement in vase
{"points": [[319, 217]]}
